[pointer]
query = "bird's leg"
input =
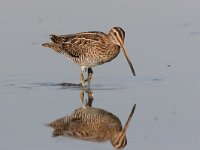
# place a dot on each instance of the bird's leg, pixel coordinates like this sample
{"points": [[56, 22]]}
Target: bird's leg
{"points": [[82, 79], [82, 97], [82, 76], [90, 98], [90, 73]]}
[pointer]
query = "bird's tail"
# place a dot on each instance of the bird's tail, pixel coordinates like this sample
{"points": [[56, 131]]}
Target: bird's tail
{"points": [[46, 45], [54, 46], [55, 38]]}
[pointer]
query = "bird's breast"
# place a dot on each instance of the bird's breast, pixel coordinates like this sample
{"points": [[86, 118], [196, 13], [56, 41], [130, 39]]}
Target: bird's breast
{"points": [[97, 55]]}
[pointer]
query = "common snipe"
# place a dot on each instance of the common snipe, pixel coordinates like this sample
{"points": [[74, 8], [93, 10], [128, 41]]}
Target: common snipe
{"points": [[89, 49], [93, 124]]}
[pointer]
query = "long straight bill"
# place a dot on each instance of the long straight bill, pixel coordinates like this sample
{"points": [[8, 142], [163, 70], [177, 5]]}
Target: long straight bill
{"points": [[127, 58]]}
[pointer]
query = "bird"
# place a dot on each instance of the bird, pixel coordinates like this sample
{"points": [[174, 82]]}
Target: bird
{"points": [[93, 124], [90, 49]]}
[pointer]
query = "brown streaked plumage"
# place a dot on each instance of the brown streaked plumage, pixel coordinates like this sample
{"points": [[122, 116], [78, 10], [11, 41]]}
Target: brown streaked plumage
{"points": [[89, 49], [93, 124]]}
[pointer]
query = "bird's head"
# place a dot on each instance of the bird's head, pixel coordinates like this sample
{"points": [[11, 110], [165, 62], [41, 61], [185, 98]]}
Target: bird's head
{"points": [[117, 35]]}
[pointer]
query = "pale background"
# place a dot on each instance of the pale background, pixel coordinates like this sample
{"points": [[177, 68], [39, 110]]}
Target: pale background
{"points": [[163, 41]]}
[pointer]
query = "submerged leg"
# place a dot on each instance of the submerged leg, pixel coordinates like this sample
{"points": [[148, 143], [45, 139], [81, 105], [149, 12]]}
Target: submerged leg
{"points": [[90, 73], [86, 102], [90, 98], [82, 97], [82, 79], [82, 76]]}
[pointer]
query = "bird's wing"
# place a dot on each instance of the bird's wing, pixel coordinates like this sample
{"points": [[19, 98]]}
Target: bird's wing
{"points": [[78, 44]]}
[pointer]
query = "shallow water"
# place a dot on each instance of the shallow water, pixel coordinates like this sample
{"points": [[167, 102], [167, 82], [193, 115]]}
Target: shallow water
{"points": [[162, 39]]}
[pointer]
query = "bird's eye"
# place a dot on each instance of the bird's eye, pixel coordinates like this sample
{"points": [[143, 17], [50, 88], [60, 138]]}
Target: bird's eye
{"points": [[115, 33]]}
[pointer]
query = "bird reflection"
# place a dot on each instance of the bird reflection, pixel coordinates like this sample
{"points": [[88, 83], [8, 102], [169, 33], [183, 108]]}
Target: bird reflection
{"points": [[92, 124]]}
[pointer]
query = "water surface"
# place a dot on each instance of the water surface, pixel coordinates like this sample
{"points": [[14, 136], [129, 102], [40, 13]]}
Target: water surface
{"points": [[162, 39]]}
